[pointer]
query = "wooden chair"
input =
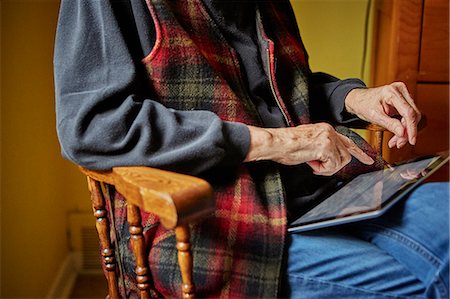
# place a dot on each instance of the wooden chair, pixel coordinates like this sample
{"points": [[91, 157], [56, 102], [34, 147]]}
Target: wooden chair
{"points": [[175, 198]]}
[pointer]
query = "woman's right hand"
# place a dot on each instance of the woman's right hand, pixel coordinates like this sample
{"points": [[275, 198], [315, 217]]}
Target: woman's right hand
{"points": [[319, 145]]}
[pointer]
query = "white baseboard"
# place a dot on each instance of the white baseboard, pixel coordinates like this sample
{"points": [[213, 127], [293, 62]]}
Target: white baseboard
{"points": [[65, 278]]}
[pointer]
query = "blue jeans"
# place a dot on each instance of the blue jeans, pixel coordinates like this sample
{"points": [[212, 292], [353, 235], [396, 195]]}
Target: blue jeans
{"points": [[402, 254]]}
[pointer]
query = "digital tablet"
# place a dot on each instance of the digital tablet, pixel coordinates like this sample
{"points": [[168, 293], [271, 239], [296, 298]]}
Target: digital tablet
{"points": [[368, 195]]}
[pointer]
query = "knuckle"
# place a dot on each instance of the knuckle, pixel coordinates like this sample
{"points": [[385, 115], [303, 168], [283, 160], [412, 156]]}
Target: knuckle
{"points": [[327, 143], [410, 112], [392, 122], [320, 155], [419, 116], [326, 127], [389, 95], [391, 88]]}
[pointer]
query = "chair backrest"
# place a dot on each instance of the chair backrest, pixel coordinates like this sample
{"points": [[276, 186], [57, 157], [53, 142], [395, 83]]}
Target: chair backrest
{"points": [[159, 192]]}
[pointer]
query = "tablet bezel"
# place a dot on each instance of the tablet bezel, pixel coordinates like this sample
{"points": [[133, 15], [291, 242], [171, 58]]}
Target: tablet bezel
{"points": [[441, 159]]}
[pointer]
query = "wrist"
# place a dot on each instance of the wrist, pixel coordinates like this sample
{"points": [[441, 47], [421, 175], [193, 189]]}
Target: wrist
{"points": [[261, 140], [350, 100]]}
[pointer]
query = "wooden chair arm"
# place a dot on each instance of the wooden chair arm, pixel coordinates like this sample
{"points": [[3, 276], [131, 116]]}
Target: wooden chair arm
{"points": [[367, 126], [176, 199]]}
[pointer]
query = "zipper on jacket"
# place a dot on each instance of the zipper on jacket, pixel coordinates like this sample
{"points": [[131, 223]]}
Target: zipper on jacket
{"points": [[272, 87]]}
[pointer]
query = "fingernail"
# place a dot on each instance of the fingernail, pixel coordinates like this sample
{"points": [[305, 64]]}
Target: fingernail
{"points": [[413, 140], [401, 144], [369, 160]]}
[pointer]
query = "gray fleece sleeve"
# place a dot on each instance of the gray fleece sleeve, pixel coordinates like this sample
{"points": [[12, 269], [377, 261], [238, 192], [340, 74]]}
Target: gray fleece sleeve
{"points": [[328, 95], [107, 117]]}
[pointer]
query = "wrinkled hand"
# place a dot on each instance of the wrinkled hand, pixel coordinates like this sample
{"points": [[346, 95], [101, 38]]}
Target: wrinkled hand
{"points": [[378, 105], [319, 145]]}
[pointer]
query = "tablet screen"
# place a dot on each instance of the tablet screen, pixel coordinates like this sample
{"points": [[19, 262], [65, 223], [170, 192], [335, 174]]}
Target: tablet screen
{"points": [[369, 192]]}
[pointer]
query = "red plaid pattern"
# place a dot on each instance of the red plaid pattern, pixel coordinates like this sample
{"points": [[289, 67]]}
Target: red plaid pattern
{"points": [[238, 252]]}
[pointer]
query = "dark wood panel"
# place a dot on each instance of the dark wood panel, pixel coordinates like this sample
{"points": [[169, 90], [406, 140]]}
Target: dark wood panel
{"points": [[395, 53], [382, 43], [434, 60], [397, 42], [433, 101]]}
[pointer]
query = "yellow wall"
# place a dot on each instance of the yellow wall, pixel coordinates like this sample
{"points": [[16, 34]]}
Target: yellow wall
{"points": [[38, 188], [333, 34], [36, 183]]}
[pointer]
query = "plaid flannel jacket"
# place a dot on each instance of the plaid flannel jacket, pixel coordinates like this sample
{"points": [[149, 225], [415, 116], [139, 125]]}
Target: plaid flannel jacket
{"points": [[238, 252]]}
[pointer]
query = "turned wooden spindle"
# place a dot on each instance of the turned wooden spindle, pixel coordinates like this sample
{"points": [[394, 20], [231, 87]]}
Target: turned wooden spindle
{"points": [[138, 246], [102, 225], [375, 135], [379, 142], [182, 234], [174, 198]]}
